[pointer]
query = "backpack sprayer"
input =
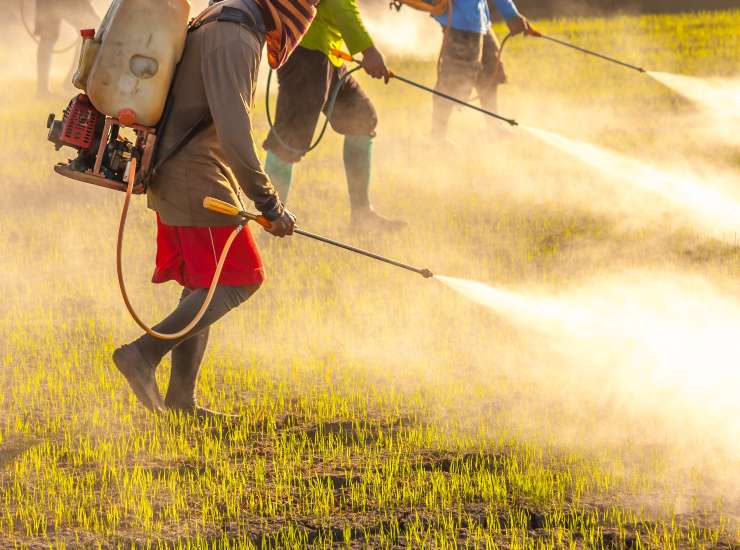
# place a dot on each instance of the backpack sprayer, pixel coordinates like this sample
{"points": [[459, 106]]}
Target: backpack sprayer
{"points": [[124, 71]]}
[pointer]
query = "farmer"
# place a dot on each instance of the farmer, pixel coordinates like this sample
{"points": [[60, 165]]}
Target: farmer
{"points": [[49, 16], [306, 82], [213, 91], [469, 55]]}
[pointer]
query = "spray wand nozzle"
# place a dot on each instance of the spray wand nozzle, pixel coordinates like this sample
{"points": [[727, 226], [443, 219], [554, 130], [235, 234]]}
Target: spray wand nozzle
{"points": [[216, 205], [347, 57]]}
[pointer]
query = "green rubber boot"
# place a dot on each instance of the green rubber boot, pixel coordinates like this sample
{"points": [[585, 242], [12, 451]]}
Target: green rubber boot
{"points": [[358, 152]]}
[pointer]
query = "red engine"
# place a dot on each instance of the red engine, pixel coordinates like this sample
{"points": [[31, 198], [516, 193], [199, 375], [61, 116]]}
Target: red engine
{"points": [[104, 154], [79, 126]]}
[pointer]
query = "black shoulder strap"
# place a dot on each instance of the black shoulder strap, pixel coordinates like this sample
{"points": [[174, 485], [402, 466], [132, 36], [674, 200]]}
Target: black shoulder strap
{"points": [[161, 159], [228, 14]]}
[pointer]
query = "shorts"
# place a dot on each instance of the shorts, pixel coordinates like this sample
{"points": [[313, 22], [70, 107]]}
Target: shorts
{"points": [[189, 255], [306, 82], [470, 60]]}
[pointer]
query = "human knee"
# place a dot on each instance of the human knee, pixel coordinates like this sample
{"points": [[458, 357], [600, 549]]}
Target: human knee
{"points": [[48, 31], [277, 154], [360, 120], [234, 296]]}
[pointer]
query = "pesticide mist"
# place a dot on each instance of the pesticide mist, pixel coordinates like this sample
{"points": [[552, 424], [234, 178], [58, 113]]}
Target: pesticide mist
{"points": [[706, 207], [716, 95], [657, 348]]}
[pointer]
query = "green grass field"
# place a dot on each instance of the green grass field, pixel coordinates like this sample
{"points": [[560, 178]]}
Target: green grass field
{"points": [[378, 409]]}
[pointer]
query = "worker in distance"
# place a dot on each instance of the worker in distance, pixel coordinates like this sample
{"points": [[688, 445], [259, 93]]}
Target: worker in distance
{"points": [[307, 81], [50, 14], [469, 57], [207, 139]]}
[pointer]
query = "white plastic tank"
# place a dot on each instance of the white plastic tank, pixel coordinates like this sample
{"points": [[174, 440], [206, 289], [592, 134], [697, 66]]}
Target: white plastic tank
{"points": [[140, 44]]}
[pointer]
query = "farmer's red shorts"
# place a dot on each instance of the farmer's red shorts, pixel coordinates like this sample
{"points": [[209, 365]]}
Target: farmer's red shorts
{"points": [[189, 255]]}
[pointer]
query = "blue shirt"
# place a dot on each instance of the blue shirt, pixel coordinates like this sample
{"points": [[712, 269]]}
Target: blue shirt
{"points": [[474, 16]]}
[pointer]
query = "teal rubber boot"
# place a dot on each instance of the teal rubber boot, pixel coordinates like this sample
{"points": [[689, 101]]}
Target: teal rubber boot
{"points": [[280, 174], [358, 153]]}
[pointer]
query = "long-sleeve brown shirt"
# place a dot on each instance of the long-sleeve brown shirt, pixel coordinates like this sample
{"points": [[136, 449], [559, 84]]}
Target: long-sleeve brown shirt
{"points": [[216, 80]]}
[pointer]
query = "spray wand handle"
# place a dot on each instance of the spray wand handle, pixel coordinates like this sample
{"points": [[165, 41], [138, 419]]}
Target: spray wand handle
{"points": [[344, 55], [223, 207]]}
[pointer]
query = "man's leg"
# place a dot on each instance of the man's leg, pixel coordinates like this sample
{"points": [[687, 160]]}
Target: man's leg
{"points": [[491, 76], [48, 24], [459, 65], [187, 358], [355, 117], [304, 81], [138, 361]]}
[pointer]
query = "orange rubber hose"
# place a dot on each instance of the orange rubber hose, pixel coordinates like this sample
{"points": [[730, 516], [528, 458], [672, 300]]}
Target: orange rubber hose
{"points": [[122, 284]]}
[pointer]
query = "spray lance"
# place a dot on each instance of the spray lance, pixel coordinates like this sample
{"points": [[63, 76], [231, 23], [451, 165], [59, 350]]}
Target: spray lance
{"points": [[531, 32], [537, 34], [347, 57], [216, 205]]}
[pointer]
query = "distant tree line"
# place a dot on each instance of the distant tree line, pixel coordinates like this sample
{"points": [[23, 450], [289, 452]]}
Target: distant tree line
{"points": [[555, 8]]}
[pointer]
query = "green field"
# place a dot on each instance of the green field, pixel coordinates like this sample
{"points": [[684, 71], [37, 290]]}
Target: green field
{"points": [[379, 409]]}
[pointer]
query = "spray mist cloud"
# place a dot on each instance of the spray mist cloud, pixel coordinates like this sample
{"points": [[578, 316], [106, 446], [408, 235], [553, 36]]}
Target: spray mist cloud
{"points": [[707, 207], [716, 95], [652, 345]]}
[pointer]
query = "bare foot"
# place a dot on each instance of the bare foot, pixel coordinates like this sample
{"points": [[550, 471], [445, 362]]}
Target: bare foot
{"points": [[140, 376]]}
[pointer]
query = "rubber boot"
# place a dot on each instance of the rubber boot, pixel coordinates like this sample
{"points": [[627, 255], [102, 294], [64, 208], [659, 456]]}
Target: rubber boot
{"points": [[280, 174], [358, 167]]}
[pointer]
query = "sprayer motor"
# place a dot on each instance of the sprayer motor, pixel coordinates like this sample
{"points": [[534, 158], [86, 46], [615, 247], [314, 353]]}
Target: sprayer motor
{"points": [[103, 154], [79, 126]]}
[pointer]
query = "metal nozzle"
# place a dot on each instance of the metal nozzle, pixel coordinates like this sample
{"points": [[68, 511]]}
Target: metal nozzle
{"points": [[426, 274]]}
